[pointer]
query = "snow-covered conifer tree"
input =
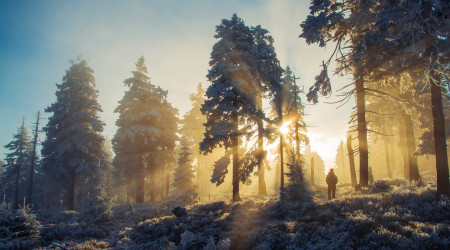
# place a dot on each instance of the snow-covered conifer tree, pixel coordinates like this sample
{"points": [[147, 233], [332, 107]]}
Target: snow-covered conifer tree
{"points": [[16, 160], [192, 129], [231, 95], [192, 122], [296, 189], [145, 138], [72, 152], [185, 191], [293, 112], [268, 83]]}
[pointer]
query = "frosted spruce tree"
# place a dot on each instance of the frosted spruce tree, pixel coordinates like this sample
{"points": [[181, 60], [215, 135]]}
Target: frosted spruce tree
{"points": [[268, 84], [295, 190], [145, 138], [191, 127], [231, 96], [293, 113], [16, 161], [184, 191], [192, 122], [72, 153], [2, 167]]}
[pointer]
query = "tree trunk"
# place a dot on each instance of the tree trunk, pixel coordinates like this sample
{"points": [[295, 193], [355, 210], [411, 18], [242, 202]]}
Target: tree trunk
{"points": [[362, 132], [199, 176], [297, 151], [370, 176], [140, 186], [411, 145], [404, 148], [33, 163], [440, 144], [281, 162], [16, 192], [312, 171], [352, 161], [152, 187], [108, 188], [168, 184], [235, 149], [388, 159], [297, 138], [162, 186], [128, 191], [393, 157], [261, 171], [343, 163], [71, 191], [386, 150]]}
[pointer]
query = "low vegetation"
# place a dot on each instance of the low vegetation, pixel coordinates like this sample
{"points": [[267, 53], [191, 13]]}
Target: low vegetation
{"points": [[390, 214]]}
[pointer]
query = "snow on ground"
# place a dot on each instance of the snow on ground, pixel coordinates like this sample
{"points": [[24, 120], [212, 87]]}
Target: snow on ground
{"points": [[388, 214]]}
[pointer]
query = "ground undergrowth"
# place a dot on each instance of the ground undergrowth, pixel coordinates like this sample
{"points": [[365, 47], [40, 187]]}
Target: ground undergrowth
{"points": [[387, 214]]}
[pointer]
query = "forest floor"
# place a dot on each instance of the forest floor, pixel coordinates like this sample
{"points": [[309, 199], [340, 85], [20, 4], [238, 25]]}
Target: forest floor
{"points": [[388, 214]]}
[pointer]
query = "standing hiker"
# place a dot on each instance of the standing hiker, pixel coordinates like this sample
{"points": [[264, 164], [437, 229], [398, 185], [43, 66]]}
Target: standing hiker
{"points": [[332, 180]]}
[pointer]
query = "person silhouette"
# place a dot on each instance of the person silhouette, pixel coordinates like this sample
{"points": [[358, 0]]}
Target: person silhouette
{"points": [[332, 180]]}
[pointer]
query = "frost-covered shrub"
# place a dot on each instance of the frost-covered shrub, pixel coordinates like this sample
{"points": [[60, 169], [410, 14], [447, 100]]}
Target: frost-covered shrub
{"points": [[19, 229], [90, 244], [72, 231], [402, 217], [208, 223], [95, 209], [51, 216], [397, 217], [211, 207], [139, 212], [379, 186]]}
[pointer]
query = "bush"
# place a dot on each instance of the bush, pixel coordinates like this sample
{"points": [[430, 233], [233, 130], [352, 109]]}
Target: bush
{"points": [[19, 229], [71, 232]]}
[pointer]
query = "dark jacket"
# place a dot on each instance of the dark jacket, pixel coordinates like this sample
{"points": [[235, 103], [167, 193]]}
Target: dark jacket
{"points": [[332, 179]]}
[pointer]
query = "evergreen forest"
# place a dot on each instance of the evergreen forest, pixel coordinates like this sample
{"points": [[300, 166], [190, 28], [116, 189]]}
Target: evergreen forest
{"points": [[238, 166]]}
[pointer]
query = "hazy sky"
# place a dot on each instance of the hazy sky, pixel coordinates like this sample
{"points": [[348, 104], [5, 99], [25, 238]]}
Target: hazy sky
{"points": [[39, 38]]}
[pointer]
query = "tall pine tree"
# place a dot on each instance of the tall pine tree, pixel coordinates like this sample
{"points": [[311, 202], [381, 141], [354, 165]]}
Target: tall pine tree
{"points": [[268, 81], [192, 129], [17, 159], [293, 112], [185, 191], [231, 95], [145, 138], [72, 152]]}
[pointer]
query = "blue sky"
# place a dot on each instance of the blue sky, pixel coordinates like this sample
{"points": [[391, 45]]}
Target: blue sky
{"points": [[39, 38]]}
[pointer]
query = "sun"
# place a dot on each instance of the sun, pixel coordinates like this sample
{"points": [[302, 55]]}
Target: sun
{"points": [[284, 129]]}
